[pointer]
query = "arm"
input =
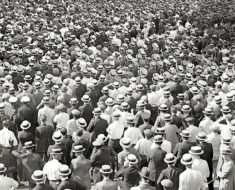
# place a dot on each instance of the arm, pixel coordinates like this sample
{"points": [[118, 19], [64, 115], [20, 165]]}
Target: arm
{"points": [[90, 127], [226, 171]]}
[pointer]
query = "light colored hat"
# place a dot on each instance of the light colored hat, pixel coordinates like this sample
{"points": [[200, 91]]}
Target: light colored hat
{"points": [[64, 170], [78, 148], [2, 168], [106, 169], [38, 175], [131, 158], [25, 99], [125, 142], [196, 150], [169, 158], [57, 136], [187, 159], [25, 125]]}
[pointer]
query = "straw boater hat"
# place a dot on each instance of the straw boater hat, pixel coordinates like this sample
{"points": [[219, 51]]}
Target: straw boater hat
{"points": [[56, 151], [106, 169], [38, 176], [2, 168], [78, 148], [185, 133], [82, 122], [196, 150], [169, 158], [64, 170], [125, 142], [25, 125], [226, 151], [29, 144], [57, 136], [187, 159], [201, 136], [85, 98], [131, 158]]}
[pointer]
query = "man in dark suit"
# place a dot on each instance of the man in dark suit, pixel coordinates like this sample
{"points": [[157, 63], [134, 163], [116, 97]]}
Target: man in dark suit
{"points": [[130, 99], [106, 183], [30, 162], [144, 182], [67, 182], [39, 179], [97, 125], [67, 143], [156, 162], [91, 92], [86, 109], [44, 134], [25, 135], [171, 172], [79, 90], [57, 137], [181, 148], [129, 172], [101, 155], [207, 155], [25, 112]]}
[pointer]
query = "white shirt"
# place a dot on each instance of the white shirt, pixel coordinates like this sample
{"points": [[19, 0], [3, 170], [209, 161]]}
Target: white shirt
{"points": [[72, 126], [166, 146], [153, 98], [191, 180], [201, 166], [115, 130], [49, 113], [51, 169], [215, 140], [5, 136], [143, 146], [205, 125], [7, 183], [134, 134], [61, 120]]}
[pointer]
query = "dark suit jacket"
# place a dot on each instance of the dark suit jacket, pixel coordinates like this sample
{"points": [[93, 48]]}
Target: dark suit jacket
{"points": [[86, 112], [156, 162], [79, 91], [70, 184], [68, 145], [131, 102], [24, 136], [208, 154], [94, 97], [58, 146], [130, 176], [97, 126], [172, 173], [42, 187], [180, 149], [44, 135], [26, 113], [86, 144]]}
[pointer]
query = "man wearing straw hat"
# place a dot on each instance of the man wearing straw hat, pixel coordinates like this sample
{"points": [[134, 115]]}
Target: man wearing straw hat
{"points": [[6, 183], [39, 178], [66, 181], [190, 179], [227, 171], [30, 161], [198, 163], [207, 154], [80, 167], [182, 147], [51, 168], [156, 162], [144, 181], [171, 172], [106, 183], [129, 172]]}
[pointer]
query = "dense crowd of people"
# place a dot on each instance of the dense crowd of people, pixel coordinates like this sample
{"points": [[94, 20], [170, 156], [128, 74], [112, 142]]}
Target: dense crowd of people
{"points": [[128, 94]]}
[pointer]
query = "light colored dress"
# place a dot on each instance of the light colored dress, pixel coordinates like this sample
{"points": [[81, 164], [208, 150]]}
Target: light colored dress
{"points": [[227, 176]]}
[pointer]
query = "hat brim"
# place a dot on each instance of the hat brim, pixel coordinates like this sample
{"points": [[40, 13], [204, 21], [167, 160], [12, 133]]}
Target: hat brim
{"points": [[182, 135], [37, 179], [65, 174], [5, 169], [186, 163], [103, 172], [79, 150], [200, 139], [196, 153], [170, 162], [56, 140], [25, 128], [125, 146]]}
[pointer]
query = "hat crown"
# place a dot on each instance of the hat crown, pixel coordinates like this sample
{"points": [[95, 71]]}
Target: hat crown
{"points": [[38, 175], [187, 158], [78, 148], [56, 151], [196, 149], [2, 167]]}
